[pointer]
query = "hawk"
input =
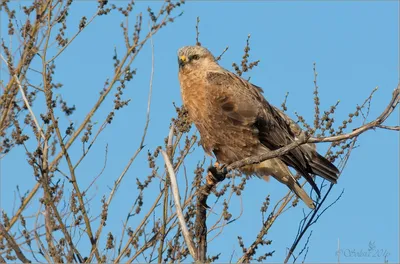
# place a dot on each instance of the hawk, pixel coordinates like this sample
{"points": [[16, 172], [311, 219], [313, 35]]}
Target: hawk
{"points": [[235, 122]]}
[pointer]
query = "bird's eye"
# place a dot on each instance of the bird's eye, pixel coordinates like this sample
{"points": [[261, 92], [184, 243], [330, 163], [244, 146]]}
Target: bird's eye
{"points": [[195, 57]]}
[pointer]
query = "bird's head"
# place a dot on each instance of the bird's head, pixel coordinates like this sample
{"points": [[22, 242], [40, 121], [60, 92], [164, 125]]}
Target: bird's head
{"points": [[194, 57]]}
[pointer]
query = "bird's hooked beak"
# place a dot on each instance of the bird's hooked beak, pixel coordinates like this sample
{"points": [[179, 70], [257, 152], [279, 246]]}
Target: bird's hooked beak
{"points": [[182, 61]]}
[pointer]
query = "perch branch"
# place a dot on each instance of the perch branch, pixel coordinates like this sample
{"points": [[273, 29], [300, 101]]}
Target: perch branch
{"points": [[214, 176]]}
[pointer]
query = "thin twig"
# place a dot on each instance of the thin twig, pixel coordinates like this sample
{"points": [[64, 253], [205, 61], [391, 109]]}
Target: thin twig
{"points": [[122, 253], [223, 52], [314, 214], [72, 39], [197, 32], [267, 225], [395, 128], [25, 100]]}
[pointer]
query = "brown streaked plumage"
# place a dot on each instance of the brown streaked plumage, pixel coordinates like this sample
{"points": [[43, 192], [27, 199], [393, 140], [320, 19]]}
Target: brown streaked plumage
{"points": [[235, 122]]}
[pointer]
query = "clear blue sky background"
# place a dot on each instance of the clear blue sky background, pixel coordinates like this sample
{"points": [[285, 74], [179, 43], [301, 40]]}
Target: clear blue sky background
{"points": [[356, 48]]}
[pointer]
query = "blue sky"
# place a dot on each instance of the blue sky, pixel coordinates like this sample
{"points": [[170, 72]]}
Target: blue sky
{"points": [[355, 46]]}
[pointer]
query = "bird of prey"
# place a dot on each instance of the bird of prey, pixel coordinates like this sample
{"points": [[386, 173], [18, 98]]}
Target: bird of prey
{"points": [[235, 122]]}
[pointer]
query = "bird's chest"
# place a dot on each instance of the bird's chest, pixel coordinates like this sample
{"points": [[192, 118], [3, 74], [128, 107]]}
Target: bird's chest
{"points": [[219, 134], [195, 97]]}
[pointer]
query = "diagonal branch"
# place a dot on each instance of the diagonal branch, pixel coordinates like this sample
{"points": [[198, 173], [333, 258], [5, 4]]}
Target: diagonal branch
{"points": [[174, 188], [25, 100], [13, 244]]}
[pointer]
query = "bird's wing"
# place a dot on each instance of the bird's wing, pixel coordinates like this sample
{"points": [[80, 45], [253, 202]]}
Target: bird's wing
{"points": [[244, 105]]}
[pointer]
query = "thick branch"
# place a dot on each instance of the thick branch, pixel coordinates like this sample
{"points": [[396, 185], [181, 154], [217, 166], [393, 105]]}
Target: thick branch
{"points": [[214, 176]]}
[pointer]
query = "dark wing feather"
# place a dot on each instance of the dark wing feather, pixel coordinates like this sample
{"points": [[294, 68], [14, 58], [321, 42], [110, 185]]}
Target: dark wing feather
{"points": [[234, 102], [245, 105]]}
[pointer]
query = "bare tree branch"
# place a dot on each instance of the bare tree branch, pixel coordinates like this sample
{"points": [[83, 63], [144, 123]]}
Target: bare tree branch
{"points": [[214, 176], [175, 191], [25, 100], [395, 128], [13, 245]]}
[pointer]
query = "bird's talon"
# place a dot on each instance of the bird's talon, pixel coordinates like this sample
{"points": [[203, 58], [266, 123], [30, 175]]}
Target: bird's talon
{"points": [[216, 173]]}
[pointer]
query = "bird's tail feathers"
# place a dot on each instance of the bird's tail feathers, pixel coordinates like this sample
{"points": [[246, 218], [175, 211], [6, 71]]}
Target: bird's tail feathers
{"points": [[281, 172], [299, 191], [324, 168]]}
